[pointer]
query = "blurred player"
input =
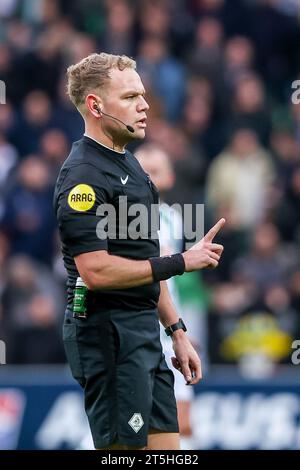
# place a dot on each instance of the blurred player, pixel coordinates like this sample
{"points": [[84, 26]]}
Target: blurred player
{"points": [[156, 163]]}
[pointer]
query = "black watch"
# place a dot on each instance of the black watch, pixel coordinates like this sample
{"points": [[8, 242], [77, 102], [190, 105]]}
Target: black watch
{"points": [[176, 326]]}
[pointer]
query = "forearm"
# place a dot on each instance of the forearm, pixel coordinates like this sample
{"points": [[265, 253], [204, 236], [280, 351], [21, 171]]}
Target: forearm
{"points": [[115, 272], [166, 309]]}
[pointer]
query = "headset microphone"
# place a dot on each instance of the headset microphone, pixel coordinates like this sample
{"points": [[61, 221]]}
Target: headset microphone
{"points": [[129, 128]]}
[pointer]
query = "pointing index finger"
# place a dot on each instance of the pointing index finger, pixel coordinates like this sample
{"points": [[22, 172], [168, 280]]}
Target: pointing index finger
{"points": [[214, 230]]}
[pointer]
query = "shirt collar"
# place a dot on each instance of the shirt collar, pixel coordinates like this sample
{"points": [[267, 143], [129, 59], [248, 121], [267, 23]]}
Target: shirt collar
{"points": [[102, 145]]}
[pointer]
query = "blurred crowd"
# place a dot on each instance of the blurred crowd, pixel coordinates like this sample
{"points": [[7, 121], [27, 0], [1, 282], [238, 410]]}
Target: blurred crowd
{"points": [[218, 75]]}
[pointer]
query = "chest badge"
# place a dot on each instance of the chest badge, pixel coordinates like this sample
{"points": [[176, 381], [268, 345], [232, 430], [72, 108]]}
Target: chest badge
{"points": [[124, 180]]}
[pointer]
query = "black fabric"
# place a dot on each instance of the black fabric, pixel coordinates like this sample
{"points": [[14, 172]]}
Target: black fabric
{"points": [[117, 358], [164, 267], [103, 170]]}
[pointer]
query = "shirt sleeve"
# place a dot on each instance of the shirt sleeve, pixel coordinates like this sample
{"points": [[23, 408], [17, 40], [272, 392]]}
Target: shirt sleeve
{"points": [[83, 189]]}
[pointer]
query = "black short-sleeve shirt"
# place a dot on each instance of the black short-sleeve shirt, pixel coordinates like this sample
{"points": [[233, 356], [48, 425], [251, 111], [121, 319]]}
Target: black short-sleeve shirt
{"points": [[94, 201]]}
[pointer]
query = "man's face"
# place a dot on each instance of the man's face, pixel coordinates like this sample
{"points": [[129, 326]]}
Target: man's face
{"points": [[124, 98], [157, 165]]}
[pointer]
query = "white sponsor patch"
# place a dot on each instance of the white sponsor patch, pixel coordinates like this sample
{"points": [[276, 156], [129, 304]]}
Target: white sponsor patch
{"points": [[136, 422]]}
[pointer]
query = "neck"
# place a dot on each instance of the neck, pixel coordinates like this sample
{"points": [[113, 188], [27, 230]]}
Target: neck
{"points": [[96, 133]]}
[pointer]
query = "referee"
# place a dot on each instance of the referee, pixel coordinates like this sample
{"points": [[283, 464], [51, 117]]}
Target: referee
{"points": [[117, 290]]}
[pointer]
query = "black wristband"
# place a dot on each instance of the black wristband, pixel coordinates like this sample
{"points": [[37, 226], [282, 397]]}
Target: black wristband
{"points": [[164, 267]]}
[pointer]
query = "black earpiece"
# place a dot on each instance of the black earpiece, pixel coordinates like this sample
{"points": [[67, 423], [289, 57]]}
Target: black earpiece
{"points": [[96, 107]]}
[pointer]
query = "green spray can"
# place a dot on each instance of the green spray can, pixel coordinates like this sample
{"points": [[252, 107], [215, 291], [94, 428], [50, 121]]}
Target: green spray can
{"points": [[79, 301]]}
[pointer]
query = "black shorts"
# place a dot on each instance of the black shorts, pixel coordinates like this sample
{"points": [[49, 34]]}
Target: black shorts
{"points": [[117, 358]]}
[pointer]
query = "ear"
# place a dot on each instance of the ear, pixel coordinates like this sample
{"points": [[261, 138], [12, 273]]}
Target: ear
{"points": [[93, 105]]}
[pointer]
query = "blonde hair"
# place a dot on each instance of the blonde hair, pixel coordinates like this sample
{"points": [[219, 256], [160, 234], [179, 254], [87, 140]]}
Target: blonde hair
{"points": [[92, 74]]}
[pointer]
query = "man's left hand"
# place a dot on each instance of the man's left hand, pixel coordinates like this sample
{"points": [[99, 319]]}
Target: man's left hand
{"points": [[187, 360]]}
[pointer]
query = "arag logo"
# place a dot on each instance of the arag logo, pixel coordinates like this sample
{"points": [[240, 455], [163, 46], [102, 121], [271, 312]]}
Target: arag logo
{"points": [[81, 198]]}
